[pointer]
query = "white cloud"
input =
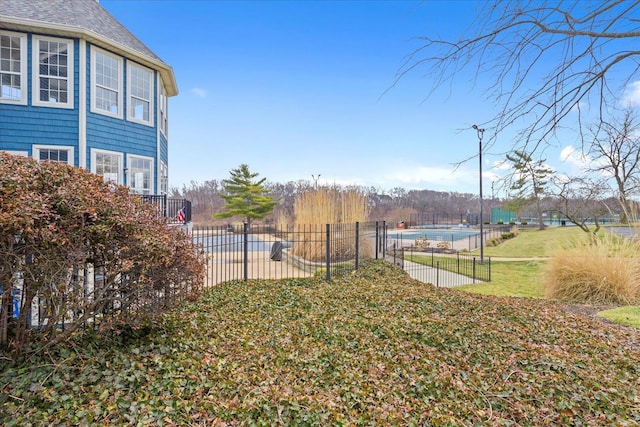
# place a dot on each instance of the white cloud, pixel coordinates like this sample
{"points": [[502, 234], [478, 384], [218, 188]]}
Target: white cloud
{"points": [[631, 96], [575, 158], [199, 92], [501, 165], [431, 178], [581, 162]]}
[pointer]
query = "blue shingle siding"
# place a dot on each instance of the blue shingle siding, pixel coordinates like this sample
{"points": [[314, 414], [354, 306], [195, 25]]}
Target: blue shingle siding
{"points": [[164, 149], [108, 133], [22, 126], [85, 23]]}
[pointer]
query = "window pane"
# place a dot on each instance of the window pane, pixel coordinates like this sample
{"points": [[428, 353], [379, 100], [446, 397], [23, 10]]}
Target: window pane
{"points": [[107, 165], [140, 170], [107, 85], [10, 67], [140, 96], [54, 155], [53, 71]]}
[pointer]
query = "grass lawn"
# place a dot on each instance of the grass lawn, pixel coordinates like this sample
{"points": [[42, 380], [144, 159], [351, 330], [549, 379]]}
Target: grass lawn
{"points": [[525, 278], [371, 348], [628, 315], [533, 243], [512, 278]]}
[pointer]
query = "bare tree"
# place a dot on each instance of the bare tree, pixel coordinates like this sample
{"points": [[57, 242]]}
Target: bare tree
{"points": [[615, 150], [544, 59], [581, 201]]}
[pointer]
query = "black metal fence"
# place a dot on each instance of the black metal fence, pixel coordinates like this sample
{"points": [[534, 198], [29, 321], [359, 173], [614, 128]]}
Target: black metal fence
{"points": [[326, 251], [176, 210], [455, 238], [441, 268], [440, 219], [269, 252]]}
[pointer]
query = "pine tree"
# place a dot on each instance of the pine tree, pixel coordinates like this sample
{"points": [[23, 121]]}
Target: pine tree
{"points": [[528, 182], [245, 196]]}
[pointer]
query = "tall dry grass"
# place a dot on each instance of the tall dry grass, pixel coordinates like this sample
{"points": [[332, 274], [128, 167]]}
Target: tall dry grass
{"points": [[603, 270], [314, 209]]}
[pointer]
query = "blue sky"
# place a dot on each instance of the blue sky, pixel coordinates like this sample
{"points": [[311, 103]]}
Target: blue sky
{"points": [[299, 88]]}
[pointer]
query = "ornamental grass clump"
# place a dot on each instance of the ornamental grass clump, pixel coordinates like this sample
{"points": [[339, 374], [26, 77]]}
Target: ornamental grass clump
{"points": [[341, 209], [595, 271]]}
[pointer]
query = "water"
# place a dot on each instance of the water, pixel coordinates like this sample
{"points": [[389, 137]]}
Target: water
{"points": [[231, 243], [437, 235]]}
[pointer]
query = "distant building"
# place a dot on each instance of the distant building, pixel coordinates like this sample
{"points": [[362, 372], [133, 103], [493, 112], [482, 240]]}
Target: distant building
{"points": [[77, 87]]}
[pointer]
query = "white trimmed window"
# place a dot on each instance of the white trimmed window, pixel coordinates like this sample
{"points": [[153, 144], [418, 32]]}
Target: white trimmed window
{"points": [[53, 153], [163, 107], [106, 86], [140, 92], [107, 164], [13, 68], [164, 178], [52, 72], [140, 174]]}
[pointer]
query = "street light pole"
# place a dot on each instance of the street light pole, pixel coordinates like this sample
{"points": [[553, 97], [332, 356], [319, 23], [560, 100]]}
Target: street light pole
{"points": [[316, 179], [480, 135]]}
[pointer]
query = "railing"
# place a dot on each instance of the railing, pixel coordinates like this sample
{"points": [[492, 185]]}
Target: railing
{"points": [[440, 219], [442, 268], [267, 252], [176, 210]]}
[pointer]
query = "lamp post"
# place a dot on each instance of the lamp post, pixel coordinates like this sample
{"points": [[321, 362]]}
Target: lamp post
{"points": [[480, 132], [316, 178]]}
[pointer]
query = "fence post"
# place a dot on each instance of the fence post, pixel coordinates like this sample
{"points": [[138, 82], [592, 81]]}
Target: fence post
{"points": [[384, 238], [164, 206], [394, 254], [377, 238], [458, 257], [245, 238], [474, 270], [357, 243], [328, 254], [438, 274]]}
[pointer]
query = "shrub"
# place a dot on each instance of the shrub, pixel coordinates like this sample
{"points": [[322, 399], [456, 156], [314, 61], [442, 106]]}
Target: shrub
{"points": [[605, 271], [500, 222], [58, 224], [493, 242], [523, 222]]}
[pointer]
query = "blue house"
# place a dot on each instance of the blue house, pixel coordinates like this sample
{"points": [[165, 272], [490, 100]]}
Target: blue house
{"points": [[77, 87]]}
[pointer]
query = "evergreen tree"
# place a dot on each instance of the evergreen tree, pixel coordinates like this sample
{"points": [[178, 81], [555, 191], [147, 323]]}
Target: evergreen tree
{"points": [[528, 181], [245, 196]]}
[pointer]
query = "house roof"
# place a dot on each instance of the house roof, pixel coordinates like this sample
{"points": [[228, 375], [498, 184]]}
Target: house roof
{"points": [[85, 19]]}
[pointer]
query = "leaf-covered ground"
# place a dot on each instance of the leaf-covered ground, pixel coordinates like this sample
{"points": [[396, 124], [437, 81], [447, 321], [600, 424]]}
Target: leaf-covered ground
{"points": [[372, 348]]}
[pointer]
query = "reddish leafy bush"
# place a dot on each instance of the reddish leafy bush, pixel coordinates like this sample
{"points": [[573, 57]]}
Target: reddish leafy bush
{"points": [[75, 250]]}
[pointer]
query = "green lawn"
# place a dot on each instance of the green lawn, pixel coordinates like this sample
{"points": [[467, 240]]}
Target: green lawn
{"points": [[525, 278], [370, 348], [534, 243], [512, 278], [627, 316]]}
